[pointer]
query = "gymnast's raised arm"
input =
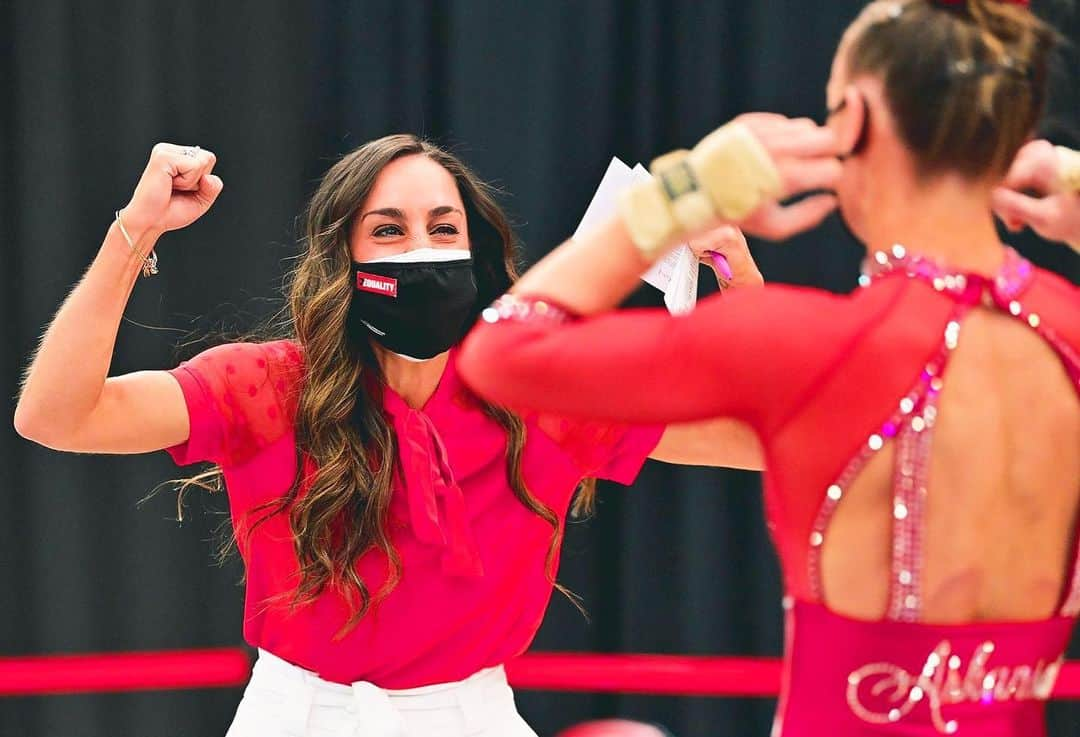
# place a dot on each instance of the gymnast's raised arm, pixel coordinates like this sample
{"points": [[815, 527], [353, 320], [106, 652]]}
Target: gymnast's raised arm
{"points": [[593, 273], [737, 174]]}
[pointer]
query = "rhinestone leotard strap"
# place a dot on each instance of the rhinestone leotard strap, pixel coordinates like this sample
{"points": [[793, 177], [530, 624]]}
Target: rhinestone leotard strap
{"points": [[912, 423]]}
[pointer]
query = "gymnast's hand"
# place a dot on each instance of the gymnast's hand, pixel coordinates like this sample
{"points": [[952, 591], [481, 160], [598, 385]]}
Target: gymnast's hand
{"points": [[176, 189], [806, 156], [729, 242], [1031, 195]]}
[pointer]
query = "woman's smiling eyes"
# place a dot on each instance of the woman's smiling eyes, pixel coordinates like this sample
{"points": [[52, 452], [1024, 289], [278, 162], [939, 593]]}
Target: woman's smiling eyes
{"points": [[391, 230]]}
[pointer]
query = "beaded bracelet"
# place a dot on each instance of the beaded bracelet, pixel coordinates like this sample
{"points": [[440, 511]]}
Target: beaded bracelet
{"points": [[525, 309]]}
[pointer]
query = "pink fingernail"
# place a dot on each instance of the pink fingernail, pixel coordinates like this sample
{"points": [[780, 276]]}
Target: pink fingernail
{"points": [[721, 263]]}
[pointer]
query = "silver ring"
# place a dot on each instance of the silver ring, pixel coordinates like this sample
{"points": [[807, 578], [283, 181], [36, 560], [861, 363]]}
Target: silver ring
{"points": [[191, 151]]}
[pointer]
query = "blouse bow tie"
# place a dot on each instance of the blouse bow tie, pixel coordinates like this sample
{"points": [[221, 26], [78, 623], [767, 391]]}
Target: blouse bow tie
{"points": [[436, 503]]}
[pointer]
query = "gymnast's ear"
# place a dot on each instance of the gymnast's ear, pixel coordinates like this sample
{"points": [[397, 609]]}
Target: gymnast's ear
{"points": [[852, 121]]}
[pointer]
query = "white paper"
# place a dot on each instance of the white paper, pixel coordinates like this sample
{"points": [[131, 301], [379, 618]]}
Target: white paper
{"points": [[604, 203], [676, 275]]}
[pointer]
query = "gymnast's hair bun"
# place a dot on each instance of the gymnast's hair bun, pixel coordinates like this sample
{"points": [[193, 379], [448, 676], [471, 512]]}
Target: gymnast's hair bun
{"points": [[965, 79]]}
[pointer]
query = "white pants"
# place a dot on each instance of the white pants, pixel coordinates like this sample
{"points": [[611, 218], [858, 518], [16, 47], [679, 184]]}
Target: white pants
{"points": [[282, 700]]}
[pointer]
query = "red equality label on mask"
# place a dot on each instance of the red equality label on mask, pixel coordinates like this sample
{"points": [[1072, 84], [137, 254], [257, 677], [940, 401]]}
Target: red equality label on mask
{"points": [[376, 284]]}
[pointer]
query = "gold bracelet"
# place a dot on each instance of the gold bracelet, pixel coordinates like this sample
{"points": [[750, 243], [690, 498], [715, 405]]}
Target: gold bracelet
{"points": [[149, 262]]}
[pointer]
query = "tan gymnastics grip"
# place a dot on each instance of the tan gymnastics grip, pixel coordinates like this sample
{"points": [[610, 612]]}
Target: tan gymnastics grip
{"points": [[727, 176]]}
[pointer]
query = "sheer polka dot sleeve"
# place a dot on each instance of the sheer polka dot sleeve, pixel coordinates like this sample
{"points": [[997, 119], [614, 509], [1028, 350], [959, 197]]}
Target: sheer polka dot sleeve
{"points": [[240, 398], [603, 450]]}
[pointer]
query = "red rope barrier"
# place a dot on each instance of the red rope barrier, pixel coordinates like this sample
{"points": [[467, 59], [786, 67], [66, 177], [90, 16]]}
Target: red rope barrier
{"points": [[667, 675], [145, 671], [646, 674]]}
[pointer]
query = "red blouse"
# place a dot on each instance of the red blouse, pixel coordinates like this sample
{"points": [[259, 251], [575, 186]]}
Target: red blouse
{"points": [[474, 587]]}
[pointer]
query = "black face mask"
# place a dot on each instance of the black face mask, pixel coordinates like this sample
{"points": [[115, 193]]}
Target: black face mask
{"points": [[416, 309]]}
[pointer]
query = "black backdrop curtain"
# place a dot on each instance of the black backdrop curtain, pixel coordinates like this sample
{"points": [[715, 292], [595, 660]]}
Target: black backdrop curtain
{"points": [[537, 97]]}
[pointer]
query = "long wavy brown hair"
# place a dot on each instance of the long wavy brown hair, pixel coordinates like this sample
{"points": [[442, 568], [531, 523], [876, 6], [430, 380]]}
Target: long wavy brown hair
{"points": [[340, 513]]}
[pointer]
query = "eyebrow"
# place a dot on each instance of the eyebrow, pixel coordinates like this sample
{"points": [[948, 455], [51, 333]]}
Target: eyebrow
{"points": [[393, 212], [438, 212]]}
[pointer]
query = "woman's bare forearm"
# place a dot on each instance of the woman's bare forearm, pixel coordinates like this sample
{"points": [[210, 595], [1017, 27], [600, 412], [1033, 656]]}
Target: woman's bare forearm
{"points": [[65, 379]]}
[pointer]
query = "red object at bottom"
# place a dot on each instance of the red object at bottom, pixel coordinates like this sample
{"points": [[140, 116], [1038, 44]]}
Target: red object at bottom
{"points": [[612, 728]]}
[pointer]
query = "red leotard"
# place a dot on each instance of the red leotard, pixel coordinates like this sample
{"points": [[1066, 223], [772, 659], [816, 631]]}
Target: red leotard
{"points": [[792, 362]]}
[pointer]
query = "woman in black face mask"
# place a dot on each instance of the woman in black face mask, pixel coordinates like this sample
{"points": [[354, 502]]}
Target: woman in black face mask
{"points": [[398, 531]]}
